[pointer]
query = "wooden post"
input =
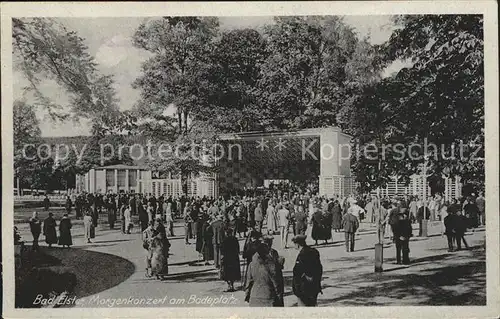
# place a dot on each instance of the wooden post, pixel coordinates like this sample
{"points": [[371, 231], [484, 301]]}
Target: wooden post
{"points": [[379, 257]]}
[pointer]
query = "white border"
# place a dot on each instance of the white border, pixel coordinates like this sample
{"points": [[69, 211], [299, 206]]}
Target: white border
{"points": [[135, 9]]}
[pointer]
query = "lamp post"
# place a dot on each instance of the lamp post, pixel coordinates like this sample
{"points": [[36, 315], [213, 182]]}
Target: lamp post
{"points": [[424, 197]]}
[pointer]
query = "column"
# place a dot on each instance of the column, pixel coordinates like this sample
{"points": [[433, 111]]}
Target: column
{"points": [[127, 184], [116, 181], [138, 178], [396, 185]]}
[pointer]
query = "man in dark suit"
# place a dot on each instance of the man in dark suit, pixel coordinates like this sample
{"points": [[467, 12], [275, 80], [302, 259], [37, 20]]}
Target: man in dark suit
{"points": [[218, 238], [307, 273], [402, 234], [351, 225]]}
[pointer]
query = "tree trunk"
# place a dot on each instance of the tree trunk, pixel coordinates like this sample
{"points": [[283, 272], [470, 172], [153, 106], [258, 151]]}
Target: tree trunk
{"points": [[185, 122], [179, 118]]}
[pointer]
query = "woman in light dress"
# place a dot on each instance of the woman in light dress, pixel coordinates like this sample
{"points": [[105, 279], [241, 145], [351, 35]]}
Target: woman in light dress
{"points": [[128, 219], [87, 226], [272, 225]]}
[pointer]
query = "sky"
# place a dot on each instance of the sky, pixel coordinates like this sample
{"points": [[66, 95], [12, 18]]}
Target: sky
{"points": [[109, 41]]}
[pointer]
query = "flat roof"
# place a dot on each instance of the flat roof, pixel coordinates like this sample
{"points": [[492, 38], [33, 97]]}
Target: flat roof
{"points": [[288, 133], [121, 166]]}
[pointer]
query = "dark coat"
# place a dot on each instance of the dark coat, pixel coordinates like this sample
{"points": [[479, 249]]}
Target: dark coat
{"points": [[460, 224], [263, 284], [202, 223], [350, 223], [336, 217], [471, 211], [449, 224], [49, 230], [402, 229], [230, 259], [318, 232], [35, 227], [300, 223], [307, 273], [65, 232], [207, 248]]}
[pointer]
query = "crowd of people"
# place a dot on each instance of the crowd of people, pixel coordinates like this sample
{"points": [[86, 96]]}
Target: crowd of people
{"points": [[216, 225]]}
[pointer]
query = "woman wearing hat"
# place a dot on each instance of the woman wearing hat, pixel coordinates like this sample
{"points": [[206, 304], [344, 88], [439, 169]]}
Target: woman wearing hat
{"points": [[230, 259], [65, 231], [307, 273], [49, 230], [263, 287]]}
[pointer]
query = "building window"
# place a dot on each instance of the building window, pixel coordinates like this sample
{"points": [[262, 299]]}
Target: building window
{"points": [[121, 178]]}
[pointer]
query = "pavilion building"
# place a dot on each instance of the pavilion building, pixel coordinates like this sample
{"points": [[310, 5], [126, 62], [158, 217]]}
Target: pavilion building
{"points": [[252, 159]]}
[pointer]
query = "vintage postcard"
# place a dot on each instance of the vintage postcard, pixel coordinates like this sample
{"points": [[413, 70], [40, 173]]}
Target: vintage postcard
{"points": [[250, 159]]}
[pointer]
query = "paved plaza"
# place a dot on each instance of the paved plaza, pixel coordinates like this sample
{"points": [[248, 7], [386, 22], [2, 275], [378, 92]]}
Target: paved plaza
{"points": [[112, 268]]}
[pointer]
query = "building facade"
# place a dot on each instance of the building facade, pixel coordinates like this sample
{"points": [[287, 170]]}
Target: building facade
{"points": [[137, 179], [249, 160]]}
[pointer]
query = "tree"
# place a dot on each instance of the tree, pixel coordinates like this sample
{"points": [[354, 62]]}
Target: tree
{"points": [[44, 49], [180, 47], [230, 87], [303, 79], [171, 78], [439, 98], [444, 89], [26, 131]]}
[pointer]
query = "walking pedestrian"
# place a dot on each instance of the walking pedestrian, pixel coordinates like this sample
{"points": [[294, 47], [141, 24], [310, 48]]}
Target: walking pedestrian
{"points": [[262, 287], [68, 205], [46, 203], [272, 225], [472, 213], [460, 229], [128, 219], [147, 237], [480, 203], [307, 273], [230, 259], [394, 218], [259, 217], [449, 224], [279, 261], [169, 218], [300, 221], [206, 240], [218, 237], [283, 220], [49, 230], [87, 227], [336, 216], [160, 247], [350, 223], [65, 231], [36, 229]]}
